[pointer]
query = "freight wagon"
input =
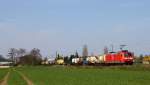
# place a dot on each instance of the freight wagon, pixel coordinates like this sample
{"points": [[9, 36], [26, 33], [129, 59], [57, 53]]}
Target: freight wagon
{"points": [[77, 61]]}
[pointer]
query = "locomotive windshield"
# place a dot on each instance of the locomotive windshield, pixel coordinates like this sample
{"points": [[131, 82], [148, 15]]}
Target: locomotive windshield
{"points": [[128, 54]]}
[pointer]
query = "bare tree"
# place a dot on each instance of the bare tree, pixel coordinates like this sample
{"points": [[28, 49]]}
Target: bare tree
{"points": [[35, 56], [21, 52], [12, 53], [85, 51], [35, 52]]}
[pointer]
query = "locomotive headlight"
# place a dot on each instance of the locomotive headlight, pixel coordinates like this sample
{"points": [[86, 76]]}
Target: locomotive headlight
{"points": [[131, 58], [126, 58]]}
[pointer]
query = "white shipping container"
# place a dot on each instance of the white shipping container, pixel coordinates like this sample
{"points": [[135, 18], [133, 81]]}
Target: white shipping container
{"points": [[92, 59], [102, 58]]}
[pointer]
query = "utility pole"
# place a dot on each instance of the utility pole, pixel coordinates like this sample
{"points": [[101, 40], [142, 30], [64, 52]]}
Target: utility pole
{"points": [[112, 47], [56, 54]]}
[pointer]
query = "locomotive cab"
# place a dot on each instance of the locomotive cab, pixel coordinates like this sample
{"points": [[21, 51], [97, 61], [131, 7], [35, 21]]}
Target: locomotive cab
{"points": [[128, 57]]}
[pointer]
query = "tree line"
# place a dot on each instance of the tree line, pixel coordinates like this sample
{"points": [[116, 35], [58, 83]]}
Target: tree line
{"points": [[22, 57], [33, 57]]}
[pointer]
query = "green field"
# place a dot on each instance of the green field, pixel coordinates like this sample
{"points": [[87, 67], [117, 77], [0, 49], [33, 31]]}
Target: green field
{"points": [[15, 79], [59, 75], [3, 72]]}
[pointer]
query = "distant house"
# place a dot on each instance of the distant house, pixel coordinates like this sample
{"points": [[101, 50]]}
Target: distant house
{"points": [[49, 61], [146, 60]]}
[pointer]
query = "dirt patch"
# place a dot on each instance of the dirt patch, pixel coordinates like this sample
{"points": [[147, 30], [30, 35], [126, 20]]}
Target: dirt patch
{"points": [[4, 81]]}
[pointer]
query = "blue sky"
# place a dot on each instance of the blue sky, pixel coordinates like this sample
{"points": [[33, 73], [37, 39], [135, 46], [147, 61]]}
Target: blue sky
{"points": [[66, 25]]}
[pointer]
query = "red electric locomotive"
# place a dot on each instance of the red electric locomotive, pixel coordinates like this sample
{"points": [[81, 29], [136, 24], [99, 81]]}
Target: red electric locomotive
{"points": [[121, 57]]}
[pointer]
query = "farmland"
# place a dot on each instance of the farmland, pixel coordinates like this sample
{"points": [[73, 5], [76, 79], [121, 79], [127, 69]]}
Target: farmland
{"points": [[3, 73], [15, 78], [63, 75]]}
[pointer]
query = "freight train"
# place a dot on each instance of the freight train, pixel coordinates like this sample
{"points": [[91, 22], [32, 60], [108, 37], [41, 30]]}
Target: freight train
{"points": [[121, 57], [111, 58]]}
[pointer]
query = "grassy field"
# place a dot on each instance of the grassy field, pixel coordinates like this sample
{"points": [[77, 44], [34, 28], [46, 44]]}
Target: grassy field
{"points": [[15, 78], [86, 76], [59, 75], [3, 72]]}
